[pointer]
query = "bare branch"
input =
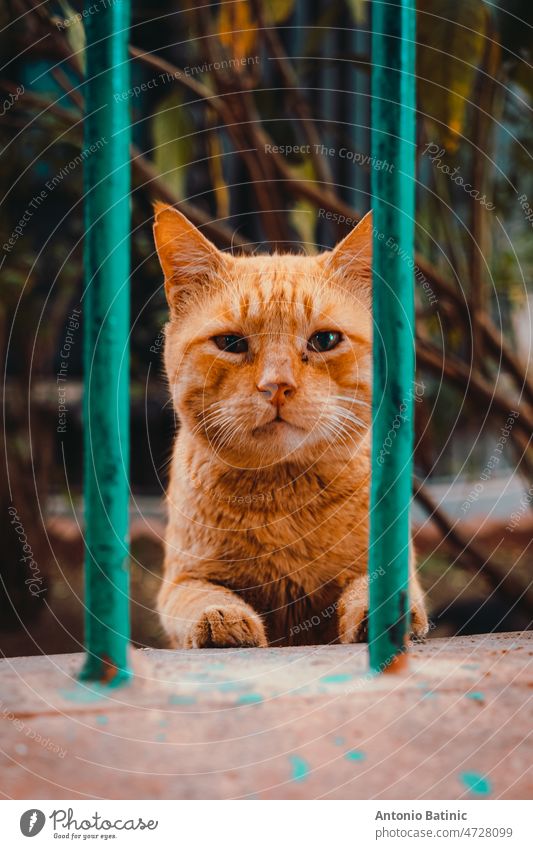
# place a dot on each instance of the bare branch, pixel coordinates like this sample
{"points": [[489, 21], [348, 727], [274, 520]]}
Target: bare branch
{"points": [[504, 581]]}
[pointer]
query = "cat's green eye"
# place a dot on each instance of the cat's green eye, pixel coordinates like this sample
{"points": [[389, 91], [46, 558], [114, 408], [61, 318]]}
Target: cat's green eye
{"points": [[324, 340], [231, 343]]}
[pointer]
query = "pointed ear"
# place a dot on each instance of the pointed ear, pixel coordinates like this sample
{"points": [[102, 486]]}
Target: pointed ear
{"points": [[189, 260], [351, 260]]}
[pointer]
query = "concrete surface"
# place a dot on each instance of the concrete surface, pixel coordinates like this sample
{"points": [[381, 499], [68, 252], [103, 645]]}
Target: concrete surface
{"points": [[275, 723]]}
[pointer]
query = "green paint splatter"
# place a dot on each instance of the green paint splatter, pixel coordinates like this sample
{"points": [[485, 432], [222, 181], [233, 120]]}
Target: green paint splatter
{"points": [[339, 741], [354, 755], [83, 694], [230, 686], [249, 699], [476, 696], [300, 768], [476, 783], [102, 719], [429, 694], [181, 700], [337, 679]]}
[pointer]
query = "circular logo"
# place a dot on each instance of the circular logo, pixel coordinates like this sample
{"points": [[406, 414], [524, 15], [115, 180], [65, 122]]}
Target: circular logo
{"points": [[32, 822]]}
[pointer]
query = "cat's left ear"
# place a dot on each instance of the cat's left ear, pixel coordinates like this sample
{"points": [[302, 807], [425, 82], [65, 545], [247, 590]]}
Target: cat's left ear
{"points": [[351, 260], [187, 258]]}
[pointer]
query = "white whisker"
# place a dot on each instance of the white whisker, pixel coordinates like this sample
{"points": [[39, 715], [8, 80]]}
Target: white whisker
{"points": [[351, 400]]}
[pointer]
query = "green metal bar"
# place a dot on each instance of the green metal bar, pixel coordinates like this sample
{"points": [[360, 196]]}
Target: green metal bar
{"points": [[393, 197], [106, 354]]}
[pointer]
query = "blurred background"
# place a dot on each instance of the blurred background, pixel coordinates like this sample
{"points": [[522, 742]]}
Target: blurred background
{"points": [[253, 118]]}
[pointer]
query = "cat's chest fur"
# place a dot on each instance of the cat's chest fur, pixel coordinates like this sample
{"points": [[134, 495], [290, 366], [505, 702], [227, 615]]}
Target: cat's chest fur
{"points": [[287, 539]]}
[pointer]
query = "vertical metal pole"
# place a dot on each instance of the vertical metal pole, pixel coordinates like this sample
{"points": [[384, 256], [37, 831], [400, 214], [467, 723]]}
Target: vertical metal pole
{"points": [[106, 355], [393, 190]]}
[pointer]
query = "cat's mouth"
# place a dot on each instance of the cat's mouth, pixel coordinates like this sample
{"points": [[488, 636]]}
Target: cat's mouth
{"points": [[277, 423]]}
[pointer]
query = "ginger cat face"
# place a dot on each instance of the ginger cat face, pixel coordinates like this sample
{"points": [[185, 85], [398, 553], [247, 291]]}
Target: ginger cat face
{"points": [[269, 364], [268, 357]]}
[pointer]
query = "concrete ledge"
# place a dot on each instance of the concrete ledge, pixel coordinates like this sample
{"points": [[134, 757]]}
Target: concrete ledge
{"points": [[275, 723]]}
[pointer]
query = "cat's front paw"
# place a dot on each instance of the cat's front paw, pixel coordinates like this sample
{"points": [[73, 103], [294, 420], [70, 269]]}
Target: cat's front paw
{"points": [[419, 622], [353, 621], [226, 626]]}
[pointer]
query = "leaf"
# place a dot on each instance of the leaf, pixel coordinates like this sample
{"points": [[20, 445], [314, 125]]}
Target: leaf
{"points": [[451, 44], [302, 216], [359, 10], [237, 30], [74, 30], [277, 11], [172, 136]]}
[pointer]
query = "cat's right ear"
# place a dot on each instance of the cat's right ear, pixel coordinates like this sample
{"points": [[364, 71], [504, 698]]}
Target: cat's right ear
{"points": [[351, 260], [187, 258]]}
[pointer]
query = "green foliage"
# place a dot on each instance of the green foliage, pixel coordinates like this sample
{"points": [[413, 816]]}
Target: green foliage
{"points": [[74, 32], [451, 41], [172, 133]]}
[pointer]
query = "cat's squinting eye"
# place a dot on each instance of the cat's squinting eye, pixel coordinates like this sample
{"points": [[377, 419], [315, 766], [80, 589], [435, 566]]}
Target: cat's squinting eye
{"points": [[231, 343], [324, 340]]}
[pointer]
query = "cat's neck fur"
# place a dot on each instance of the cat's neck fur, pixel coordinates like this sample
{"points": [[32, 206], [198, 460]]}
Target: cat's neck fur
{"points": [[198, 467]]}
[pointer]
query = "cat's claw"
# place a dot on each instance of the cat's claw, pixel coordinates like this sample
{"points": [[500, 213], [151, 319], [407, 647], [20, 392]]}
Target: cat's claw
{"points": [[354, 628], [226, 626]]}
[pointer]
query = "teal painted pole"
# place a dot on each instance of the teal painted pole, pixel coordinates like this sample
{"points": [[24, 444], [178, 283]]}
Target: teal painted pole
{"points": [[106, 354], [393, 202]]}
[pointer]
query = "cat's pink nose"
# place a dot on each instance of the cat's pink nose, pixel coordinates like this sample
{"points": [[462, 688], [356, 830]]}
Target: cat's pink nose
{"points": [[276, 393]]}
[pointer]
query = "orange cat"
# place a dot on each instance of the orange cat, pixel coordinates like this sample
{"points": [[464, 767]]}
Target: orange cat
{"points": [[269, 365]]}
